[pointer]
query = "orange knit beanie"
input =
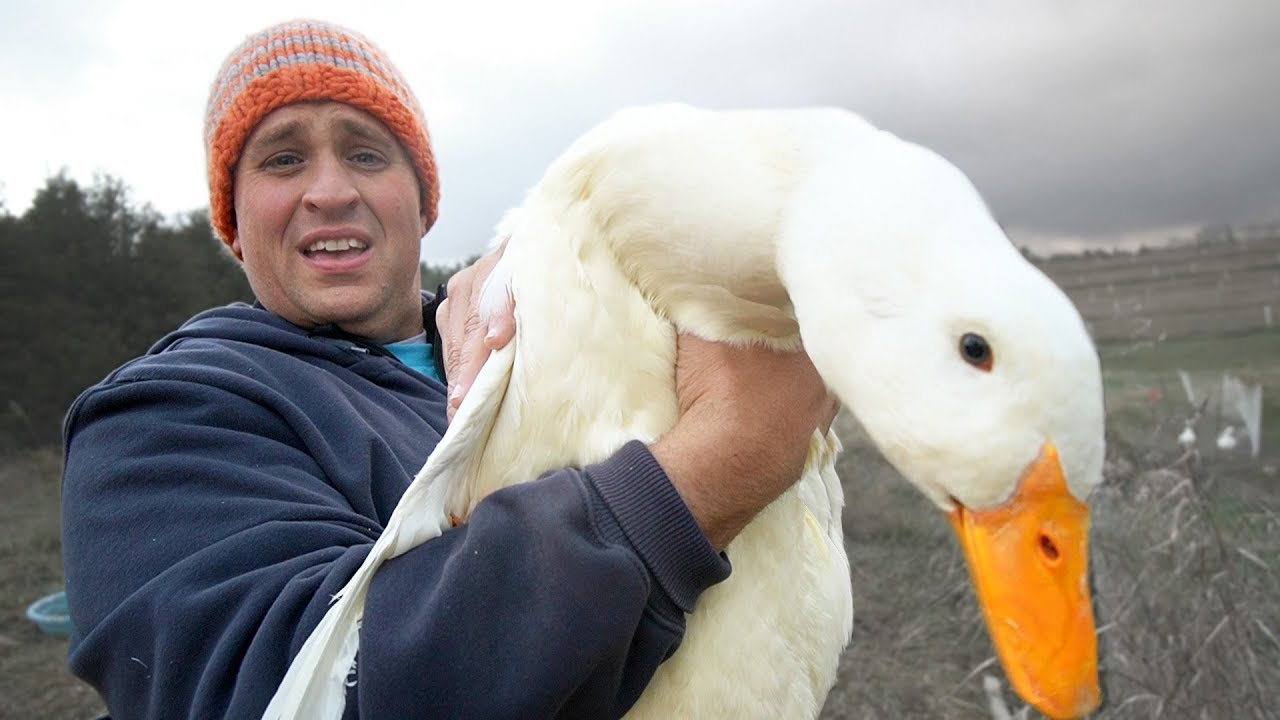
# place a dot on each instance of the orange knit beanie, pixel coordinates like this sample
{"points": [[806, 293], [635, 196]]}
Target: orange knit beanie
{"points": [[298, 61]]}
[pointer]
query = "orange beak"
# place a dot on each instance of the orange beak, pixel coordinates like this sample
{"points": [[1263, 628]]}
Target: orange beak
{"points": [[1029, 563]]}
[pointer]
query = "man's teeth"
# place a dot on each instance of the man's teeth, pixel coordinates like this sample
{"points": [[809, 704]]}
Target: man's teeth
{"points": [[336, 245]]}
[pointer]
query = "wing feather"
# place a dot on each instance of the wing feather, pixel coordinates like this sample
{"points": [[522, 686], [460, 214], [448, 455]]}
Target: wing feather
{"points": [[315, 687]]}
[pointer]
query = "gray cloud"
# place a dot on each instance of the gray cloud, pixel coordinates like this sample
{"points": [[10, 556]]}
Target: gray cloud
{"points": [[1074, 119], [1079, 120]]}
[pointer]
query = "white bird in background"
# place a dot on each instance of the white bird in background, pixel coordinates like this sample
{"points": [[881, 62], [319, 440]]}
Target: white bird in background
{"points": [[1245, 403], [969, 369], [1227, 438], [1187, 438]]}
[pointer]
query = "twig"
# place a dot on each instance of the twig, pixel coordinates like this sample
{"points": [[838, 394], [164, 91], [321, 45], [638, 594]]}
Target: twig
{"points": [[981, 666], [1253, 558], [1208, 639], [995, 700], [1151, 697], [1267, 631], [1123, 606]]}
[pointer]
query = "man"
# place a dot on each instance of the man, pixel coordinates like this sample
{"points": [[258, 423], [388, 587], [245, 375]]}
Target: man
{"points": [[221, 488]]}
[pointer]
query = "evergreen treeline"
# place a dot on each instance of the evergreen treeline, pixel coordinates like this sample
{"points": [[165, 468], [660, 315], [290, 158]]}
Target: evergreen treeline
{"points": [[433, 276], [88, 280]]}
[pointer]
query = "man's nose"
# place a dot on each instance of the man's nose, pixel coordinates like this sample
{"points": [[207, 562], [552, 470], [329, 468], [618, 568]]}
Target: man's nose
{"points": [[332, 188]]}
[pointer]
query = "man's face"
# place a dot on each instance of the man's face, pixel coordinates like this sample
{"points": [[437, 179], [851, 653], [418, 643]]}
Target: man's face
{"points": [[330, 221]]}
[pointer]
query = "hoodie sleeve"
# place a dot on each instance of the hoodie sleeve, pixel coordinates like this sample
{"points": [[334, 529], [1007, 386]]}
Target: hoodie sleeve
{"points": [[559, 598], [199, 557]]}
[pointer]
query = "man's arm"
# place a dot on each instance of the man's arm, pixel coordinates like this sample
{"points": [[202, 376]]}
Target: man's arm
{"points": [[556, 599], [198, 560]]}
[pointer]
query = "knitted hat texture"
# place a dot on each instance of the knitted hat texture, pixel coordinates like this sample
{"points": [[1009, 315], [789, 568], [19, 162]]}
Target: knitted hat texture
{"points": [[298, 61]]}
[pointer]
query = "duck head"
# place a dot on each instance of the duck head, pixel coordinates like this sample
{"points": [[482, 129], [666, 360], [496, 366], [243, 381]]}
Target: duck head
{"points": [[973, 374]]}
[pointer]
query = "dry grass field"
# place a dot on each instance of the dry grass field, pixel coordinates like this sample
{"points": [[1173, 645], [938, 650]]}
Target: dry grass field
{"points": [[1185, 546], [33, 680], [1185, 569]]}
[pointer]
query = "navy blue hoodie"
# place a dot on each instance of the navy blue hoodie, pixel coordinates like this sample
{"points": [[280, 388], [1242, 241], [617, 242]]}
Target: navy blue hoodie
{"points": [[220, 489]]}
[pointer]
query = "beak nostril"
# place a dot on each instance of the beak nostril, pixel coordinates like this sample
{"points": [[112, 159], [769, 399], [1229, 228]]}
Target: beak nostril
{"points": [[1048, 548]]}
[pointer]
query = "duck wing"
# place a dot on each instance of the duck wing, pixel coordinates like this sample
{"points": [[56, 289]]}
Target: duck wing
{"points": [[315, 686]]}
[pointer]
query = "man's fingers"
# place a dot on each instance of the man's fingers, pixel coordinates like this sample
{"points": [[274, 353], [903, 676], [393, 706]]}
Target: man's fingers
{"points": [[473, 355], [502, 326], [468, 338]]}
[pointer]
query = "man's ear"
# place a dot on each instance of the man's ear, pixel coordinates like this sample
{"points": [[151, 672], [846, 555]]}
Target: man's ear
{"points": [[235, 228]]}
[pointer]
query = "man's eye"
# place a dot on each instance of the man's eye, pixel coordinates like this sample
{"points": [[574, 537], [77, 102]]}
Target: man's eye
{"points": [[283, 160], [366, 157]]}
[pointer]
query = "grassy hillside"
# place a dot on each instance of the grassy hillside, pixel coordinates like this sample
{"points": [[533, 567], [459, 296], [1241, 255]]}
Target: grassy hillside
{"points": [[1170, 293]]}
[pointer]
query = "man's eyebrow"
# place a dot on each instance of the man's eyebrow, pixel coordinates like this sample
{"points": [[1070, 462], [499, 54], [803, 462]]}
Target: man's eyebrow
{"points": [[277, 134], [364, 131]]}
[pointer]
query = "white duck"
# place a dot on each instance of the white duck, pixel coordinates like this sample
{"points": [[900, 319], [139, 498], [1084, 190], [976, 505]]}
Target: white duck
{"points": [[1187, 438], [1227, 438], [969, 369]]}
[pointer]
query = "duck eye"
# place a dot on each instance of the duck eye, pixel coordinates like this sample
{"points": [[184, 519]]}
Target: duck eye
{"points": [[975, 351]]}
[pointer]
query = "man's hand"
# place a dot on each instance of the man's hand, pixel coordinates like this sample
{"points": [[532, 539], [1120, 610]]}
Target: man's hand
{"points": [[467, 337], [746, 418]]}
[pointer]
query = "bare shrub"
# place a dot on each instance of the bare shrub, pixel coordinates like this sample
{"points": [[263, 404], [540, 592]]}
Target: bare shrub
{"points": [[1188, 593]]}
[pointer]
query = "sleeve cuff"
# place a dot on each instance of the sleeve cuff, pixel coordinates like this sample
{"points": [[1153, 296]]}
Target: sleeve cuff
{"points": [[657, 524]]}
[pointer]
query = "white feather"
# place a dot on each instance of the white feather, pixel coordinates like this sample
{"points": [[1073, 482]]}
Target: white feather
{"points": [[315, 684]]}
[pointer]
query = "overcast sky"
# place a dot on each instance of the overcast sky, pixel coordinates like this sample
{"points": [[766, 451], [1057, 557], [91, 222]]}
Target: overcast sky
{"points": [[1104, 121]]}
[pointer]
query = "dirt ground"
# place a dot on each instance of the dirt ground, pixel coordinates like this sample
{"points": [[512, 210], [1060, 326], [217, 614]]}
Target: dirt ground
{"points": [[34, 682]]}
